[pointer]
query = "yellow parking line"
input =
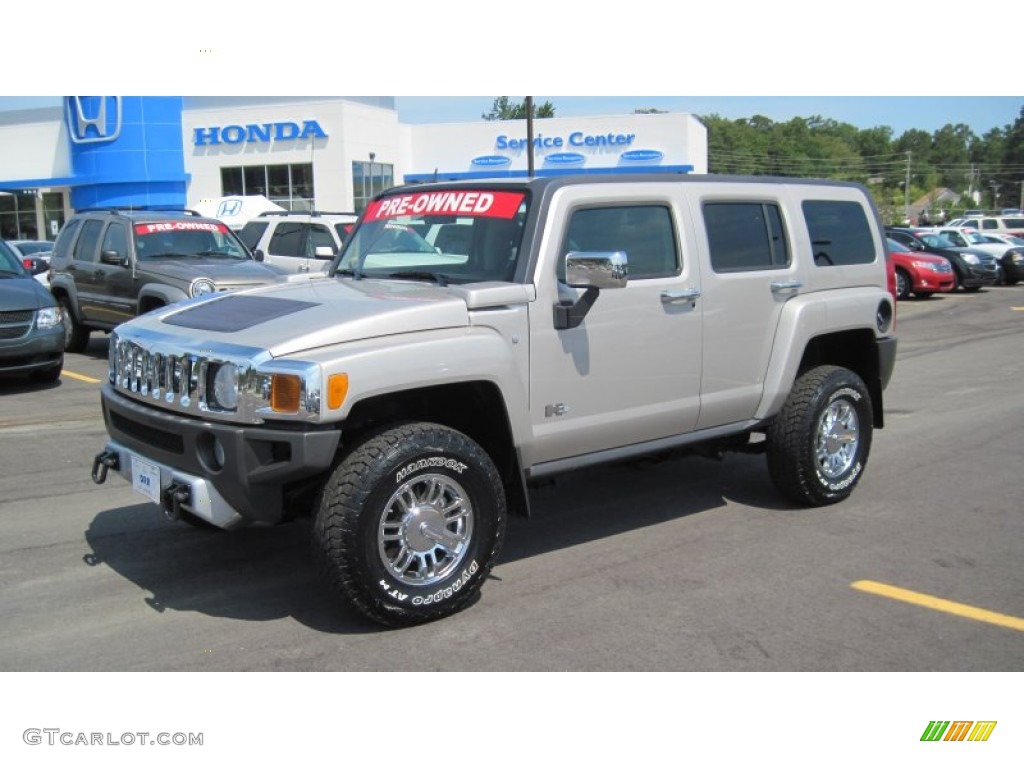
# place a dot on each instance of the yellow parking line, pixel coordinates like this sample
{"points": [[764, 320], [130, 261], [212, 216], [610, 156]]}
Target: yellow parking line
{"points": [[938, 604], [80, 377]]}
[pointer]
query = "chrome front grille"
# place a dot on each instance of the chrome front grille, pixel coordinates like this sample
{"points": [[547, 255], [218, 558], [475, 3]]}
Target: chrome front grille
{"points": [[177, 380], [153, 368]]}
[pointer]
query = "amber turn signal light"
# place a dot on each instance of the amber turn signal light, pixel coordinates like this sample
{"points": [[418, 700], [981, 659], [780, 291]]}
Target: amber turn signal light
{"points": [[337, 389], [285, 390]]}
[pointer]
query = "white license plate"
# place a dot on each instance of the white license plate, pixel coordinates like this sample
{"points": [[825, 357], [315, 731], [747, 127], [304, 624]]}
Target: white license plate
{"points": [[146, 478]]}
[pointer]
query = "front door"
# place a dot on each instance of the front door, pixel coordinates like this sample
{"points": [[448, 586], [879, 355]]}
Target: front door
{"points": [[631, 371]]}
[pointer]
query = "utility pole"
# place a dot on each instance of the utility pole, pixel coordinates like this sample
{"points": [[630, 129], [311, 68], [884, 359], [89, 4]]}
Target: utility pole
{"points": [[906, 191]]}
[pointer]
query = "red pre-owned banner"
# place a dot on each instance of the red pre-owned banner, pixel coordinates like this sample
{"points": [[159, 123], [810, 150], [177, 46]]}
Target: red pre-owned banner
{"points": [[179, 226], [501, 205]]}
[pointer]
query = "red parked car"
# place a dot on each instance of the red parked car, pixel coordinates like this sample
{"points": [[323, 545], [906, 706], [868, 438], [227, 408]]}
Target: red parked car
{"points": [[919, 273]]}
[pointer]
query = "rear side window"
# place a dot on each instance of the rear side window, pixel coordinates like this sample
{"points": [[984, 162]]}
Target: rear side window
{"points": [[644, 232], [745, 236], [840, 233], [251, 233], [85, 247]]}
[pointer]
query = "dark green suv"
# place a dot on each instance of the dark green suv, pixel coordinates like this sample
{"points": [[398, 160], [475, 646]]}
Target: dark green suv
{"points": [[111, 265]]}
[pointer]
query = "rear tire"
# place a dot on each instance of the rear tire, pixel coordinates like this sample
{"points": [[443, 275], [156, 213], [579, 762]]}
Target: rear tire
{"points": [[818, 445], [410, 523]]}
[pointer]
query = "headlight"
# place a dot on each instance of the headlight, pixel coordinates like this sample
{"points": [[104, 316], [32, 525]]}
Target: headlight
{"points": [[1017, 258], [202, 287], [927, 265], [48, 317], [225, 387], [970, 258]]}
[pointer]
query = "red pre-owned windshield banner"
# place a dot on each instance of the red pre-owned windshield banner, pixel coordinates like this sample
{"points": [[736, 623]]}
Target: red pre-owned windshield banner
{"points": [[499, 205], [179, 226]]}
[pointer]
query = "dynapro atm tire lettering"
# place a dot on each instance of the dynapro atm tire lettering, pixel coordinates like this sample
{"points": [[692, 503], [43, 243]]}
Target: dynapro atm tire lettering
{"points": [[469, 341]]}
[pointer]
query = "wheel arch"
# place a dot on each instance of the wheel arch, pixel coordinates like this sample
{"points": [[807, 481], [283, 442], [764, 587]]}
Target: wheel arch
{"points": [[475, 408], [855, 350]]}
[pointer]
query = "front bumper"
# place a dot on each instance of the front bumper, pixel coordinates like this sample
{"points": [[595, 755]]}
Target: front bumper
{"points": [[979, 276], [246, 468], [37, 351]]}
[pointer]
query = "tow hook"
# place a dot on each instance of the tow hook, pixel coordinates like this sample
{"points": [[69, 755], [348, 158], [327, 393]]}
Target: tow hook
{"points": [[103, 462], [176, 496]]}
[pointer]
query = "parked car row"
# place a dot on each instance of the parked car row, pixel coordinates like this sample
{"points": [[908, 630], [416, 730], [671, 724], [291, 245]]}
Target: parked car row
{"points": [[972, 260]]}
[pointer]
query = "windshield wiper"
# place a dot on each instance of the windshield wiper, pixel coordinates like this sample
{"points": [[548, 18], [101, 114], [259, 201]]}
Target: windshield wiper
{"points": [[437, 277], [354, 274]]}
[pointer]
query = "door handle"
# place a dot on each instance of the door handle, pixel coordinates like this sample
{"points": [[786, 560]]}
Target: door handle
{"points": [[786, 285], [687, 294]]}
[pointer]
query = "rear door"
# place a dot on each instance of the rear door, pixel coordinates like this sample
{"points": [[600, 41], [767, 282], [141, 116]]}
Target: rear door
{"points": [[744, 239], [88, 273]]}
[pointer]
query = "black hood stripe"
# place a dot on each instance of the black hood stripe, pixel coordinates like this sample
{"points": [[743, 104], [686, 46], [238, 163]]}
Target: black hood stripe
{"points": [[236, 313]]}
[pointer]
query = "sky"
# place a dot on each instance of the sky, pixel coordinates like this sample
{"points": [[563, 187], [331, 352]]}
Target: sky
{"points": [[736, 60], [928, 113]]}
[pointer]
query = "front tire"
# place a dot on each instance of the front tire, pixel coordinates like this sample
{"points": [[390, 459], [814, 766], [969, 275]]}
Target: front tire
{"points": [[409, 523], [818, 444], [76, 336], [903, 284]]}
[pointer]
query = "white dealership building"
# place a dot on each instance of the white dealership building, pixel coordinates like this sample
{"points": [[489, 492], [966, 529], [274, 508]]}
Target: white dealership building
{"points": [[323, 153]]}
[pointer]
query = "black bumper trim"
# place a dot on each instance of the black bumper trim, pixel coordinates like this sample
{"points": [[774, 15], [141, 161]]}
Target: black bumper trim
{"points": [[258, 462]]}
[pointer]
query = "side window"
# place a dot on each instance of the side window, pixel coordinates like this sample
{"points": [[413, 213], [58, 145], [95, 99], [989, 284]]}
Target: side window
{"points": [[644, 232], [288, 240], [116, 239], [839, 231], [989, 224], [62, 248], [85, 246], [251, 233], [745, 236], [319, 235]]}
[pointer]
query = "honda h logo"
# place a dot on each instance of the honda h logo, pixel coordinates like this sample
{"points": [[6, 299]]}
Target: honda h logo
{"points": [[93, 119], [229, 208]]}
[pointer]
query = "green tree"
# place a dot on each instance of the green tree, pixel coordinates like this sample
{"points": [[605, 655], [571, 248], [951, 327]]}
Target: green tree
{"points": [[504, 109]]}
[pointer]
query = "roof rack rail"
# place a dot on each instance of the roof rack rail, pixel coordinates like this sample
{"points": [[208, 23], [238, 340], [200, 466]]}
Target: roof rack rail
{"points": [[138, 208], [309, 213]]}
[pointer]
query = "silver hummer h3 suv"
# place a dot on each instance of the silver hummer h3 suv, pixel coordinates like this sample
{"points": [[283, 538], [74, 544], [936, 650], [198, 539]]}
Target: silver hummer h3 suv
{"points": [[407, 398]]}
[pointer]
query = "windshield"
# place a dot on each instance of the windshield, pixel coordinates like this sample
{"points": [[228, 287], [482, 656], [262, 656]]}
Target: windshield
{"points": [[973, 237], [197, 239], [936, 241], [462, 236], [9, 263]]}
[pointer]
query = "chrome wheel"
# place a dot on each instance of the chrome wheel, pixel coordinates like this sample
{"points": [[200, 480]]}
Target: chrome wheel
{"points": [[837, 438], [425, 530]]}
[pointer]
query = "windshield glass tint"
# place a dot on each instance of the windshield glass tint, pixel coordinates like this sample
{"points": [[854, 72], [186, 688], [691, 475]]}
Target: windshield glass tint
{"points": [[9, 263], [462, 236], [203, 239]]}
